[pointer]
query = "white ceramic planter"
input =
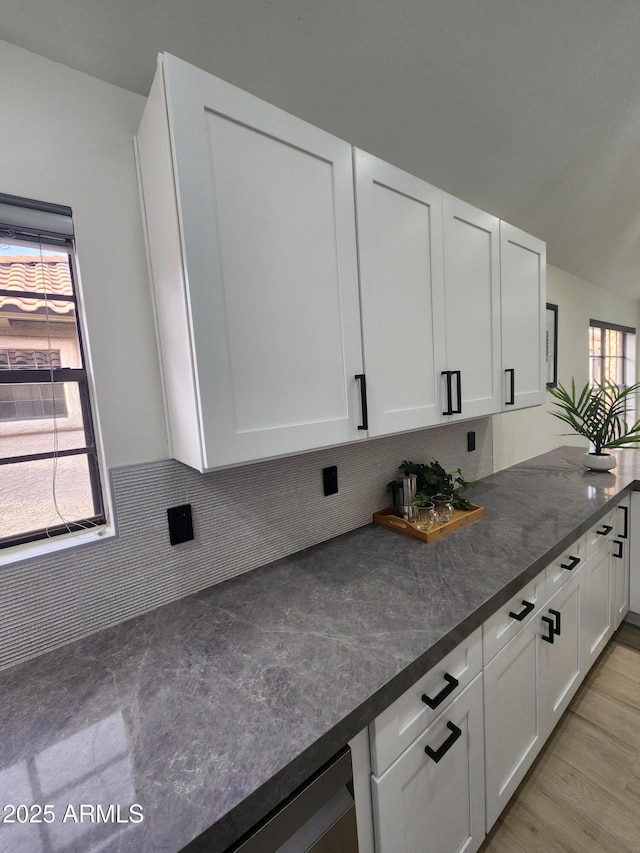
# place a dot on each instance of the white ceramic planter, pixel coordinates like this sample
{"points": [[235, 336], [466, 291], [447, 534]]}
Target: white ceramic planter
{"points": [[599, 462]]}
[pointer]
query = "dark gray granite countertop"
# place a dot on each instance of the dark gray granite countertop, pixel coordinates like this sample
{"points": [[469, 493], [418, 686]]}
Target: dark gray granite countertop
{"points": [[209, 711]]}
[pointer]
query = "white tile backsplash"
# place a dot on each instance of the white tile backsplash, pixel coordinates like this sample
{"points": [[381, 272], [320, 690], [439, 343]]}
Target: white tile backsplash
{"points": [[243, 518]]}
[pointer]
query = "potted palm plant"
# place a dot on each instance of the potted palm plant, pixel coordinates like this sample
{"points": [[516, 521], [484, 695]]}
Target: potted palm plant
{"points": [[598, 412]]}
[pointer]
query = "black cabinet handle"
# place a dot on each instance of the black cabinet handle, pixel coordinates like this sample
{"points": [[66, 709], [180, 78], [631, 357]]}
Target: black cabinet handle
{"points": [[606, 530], [556, 627], [458, 375], [363, 399], [625, 528], [452, 683], [552, 634], [528, 607], [620, 548], [573, 563], [512, 386], [458, 409], [449, 410], [437, 754]]}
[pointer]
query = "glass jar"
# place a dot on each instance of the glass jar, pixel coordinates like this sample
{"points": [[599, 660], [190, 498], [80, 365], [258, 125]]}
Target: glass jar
{"points": [[443, 508], [425, 517]]}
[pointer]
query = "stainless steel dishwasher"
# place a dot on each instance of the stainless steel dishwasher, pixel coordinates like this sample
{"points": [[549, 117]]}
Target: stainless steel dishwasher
{"points": [[318, 818]]}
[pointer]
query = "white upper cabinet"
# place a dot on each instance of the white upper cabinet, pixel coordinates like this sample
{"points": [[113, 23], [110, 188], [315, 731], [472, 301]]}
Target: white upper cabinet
{"points": [[471, 384], [402, 295], [280, 329], [251, 232], [523, 302]]}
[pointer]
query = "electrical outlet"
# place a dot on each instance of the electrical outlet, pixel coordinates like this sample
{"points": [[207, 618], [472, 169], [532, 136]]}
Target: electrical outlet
{"points": [[330, 480], [471, 441], [180, 524]]}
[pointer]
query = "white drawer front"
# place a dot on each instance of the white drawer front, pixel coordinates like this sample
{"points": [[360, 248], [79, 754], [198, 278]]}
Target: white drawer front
{"points": [[399, 725], [566, 565], [598, 535], [512, 616], [435, 803]]}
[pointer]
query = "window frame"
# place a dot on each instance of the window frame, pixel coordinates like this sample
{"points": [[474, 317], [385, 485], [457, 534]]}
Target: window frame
{"points": [[56, 375], [614, 327]]}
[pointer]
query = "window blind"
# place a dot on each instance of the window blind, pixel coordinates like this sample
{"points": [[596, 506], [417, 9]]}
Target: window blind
{"points": [[34, 218]]}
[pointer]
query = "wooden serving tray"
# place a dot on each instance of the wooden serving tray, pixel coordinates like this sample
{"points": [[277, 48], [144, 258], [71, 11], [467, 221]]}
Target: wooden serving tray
{"points": [[389, 518]]}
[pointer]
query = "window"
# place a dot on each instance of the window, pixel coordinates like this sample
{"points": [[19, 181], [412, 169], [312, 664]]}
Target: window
{"points": [[611, 353], [25, 401], [49, 477]]}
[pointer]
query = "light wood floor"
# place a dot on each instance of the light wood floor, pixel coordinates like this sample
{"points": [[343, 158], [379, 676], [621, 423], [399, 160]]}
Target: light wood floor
{"points": [[582, 794]]}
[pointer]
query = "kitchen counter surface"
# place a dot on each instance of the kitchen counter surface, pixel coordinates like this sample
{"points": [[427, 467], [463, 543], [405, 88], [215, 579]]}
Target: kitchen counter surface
{"points": [[200, 716]]}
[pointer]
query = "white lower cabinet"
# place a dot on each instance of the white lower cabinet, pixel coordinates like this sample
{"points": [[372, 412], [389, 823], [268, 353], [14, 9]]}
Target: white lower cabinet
{"points": [[634, 561], [440, 776], [395, 729], [431, 799], [513, 733], [559, 653], [596, 617], [620, 562], [528, 685]]}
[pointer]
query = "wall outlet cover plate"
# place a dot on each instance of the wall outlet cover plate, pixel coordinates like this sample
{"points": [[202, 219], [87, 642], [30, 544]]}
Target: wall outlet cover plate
{"points": [[180, 524], [330, 480]]}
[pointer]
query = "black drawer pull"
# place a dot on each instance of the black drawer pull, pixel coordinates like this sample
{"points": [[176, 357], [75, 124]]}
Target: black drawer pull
{"points": [[573, 563], [437, 754], [606, 530], [552, 633], [625, 533], [452, 683], [620, 548], [556, 615], [528, 607], [363, 400]]}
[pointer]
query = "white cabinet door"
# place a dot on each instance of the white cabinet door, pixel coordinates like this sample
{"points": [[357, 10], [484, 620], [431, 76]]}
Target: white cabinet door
{"points": [[433, 802], [261, 280], [523, 266], [513, 730], [620, 561], [402, 295], [471, 386], [619, 580], [560, 652], [596, 617], [634, 556]]}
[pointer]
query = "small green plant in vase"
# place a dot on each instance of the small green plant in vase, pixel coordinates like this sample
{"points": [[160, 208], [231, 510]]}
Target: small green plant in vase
{"points": [[432, 479]]}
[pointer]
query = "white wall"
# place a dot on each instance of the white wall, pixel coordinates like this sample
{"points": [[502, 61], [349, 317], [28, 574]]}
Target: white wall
{"points": [[67, 138], [522, 434]]}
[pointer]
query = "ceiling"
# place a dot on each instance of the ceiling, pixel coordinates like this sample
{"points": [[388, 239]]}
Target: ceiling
{"points": [[530, 110]]}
